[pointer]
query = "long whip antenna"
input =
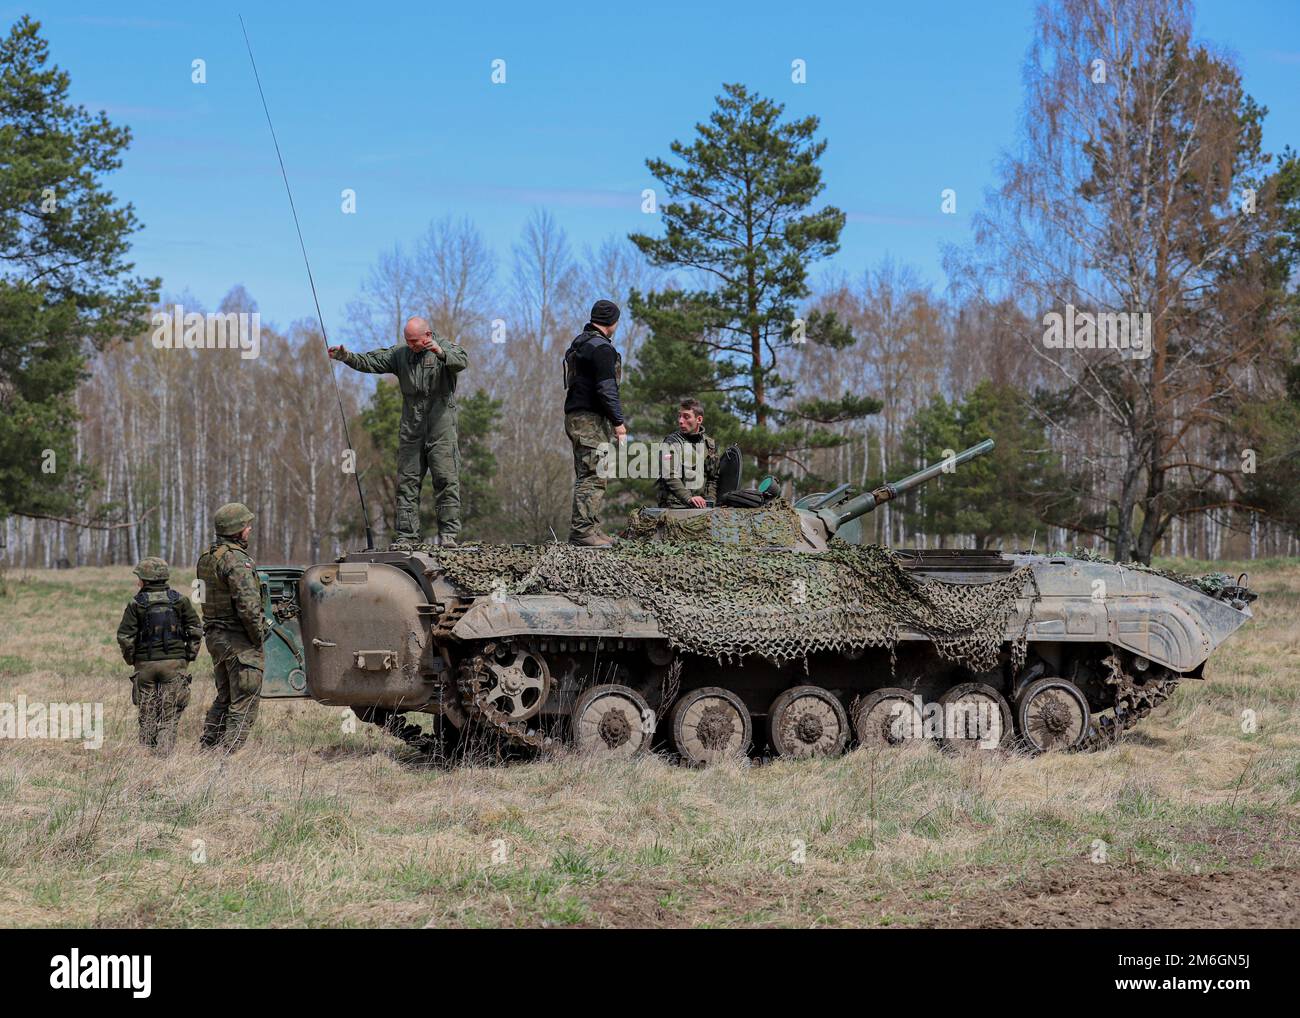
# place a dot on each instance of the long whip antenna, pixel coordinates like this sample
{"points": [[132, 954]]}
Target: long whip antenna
{"points": [[365, 515]]}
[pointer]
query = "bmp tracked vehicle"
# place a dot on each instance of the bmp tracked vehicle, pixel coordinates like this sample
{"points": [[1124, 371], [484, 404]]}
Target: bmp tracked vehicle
{"points": [[717, 632]]}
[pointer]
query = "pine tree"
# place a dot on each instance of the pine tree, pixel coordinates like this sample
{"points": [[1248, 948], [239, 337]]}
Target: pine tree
{"points": [[479, 500], [64, 277], [738, 212], [1271, 425], [1017, 489], [669, 368]]}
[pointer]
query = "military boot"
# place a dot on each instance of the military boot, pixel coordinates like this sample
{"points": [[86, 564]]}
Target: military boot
{"points": [[402, 544], [592, 540], [446, 541], [214, 724]]}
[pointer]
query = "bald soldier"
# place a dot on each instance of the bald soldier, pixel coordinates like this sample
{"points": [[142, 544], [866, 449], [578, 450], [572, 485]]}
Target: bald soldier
{"points": [[426, 368]]}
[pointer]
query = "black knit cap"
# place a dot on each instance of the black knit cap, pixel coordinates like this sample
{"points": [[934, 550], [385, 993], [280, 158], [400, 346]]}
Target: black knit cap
{"points": [[604, 312]]}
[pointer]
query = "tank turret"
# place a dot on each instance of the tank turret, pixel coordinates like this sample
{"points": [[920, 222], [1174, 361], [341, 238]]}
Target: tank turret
{"points": [[817, 521]]}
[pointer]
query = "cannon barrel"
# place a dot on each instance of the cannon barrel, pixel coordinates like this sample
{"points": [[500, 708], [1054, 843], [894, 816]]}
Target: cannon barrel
{"points": [[836, 515]]}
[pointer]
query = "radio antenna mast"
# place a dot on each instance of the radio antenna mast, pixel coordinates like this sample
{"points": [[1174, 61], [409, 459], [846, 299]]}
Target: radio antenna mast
{"points": [[365, 515]]}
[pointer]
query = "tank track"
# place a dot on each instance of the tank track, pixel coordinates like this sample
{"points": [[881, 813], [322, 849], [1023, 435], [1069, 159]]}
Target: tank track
{"points": [[393, 723], [471, 682], [1133, 702], [471, 687]]}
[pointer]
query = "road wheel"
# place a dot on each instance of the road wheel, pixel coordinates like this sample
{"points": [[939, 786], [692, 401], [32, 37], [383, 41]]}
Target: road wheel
{"points": [[807, 721], [710, 725], [1052, 714], [518, 681], [612, 721], [976, 716], [886, 717]]}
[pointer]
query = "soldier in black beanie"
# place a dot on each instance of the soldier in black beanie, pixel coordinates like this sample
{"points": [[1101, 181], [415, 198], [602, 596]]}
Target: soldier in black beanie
{"points": [[593, 416]]}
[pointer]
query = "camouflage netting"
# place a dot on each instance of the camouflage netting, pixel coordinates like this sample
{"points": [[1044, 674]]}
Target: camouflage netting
{"points": [[1212, 584], [776, 525], [727, 602]]}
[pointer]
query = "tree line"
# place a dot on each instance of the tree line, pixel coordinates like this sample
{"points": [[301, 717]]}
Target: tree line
{"points": [[1137, 192]]}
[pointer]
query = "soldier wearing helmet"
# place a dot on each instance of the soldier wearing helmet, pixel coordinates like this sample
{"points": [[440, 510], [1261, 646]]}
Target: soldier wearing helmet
{"points": [[160, 635], [235, 626]]}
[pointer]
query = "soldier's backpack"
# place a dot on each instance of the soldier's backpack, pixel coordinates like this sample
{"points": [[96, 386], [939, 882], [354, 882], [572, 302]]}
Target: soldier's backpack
{"points": [[571, 358], [163, 626]]}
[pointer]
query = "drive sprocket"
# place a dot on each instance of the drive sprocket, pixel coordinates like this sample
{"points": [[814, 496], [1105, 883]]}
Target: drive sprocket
{"points": [[504, 686]]}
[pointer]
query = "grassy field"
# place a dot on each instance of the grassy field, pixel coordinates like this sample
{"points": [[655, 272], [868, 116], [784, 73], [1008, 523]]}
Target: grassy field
{"points": [[311, 825]]}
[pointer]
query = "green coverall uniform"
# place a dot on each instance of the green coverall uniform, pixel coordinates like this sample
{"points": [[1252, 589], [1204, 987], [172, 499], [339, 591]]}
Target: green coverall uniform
{"points": [[427, 439]]}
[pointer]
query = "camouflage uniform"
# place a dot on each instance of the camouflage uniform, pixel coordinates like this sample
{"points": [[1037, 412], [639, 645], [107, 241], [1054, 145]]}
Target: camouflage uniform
{"points": [[592, 407], [427, 440], [160, 634], [235, 627], [587, 431], [677, 483]]}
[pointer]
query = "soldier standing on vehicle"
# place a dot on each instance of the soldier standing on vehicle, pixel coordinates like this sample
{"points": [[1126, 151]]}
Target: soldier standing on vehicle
{"points": [[160, 635], [235, 626], [688, 468], [426, 368], [593, 417]]}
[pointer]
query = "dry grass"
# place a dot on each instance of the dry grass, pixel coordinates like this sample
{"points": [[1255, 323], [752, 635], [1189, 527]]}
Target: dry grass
{"points": [[314, 826]]}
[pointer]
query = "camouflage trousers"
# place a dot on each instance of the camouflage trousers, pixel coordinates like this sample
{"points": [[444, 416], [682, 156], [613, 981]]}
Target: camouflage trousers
{"points": [[437, 453], [587, 431], [237, 671], [161, 689]]}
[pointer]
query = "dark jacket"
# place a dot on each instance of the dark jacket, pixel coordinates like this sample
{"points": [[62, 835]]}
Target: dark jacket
{"points": [[592, 371], [175, 638]]}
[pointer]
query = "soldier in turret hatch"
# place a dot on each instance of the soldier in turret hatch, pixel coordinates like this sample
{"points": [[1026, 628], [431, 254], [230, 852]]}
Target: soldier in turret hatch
{"points": [[427, 368], [688, 468], [160, 635]]}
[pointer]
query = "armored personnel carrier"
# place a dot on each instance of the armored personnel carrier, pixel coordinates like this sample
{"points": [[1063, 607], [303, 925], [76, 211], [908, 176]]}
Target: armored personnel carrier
{"points": [[718, 632]]}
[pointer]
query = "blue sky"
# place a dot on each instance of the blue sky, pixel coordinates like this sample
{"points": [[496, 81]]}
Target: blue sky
{"points": [[396, 102]]}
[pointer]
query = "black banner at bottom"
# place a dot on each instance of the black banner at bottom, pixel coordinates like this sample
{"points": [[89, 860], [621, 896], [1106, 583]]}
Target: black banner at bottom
{"points": [[909, 968]]}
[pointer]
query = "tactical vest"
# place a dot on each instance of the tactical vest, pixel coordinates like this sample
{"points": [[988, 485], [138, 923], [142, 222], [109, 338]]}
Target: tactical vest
{"points": [[571, 359], [705, 448], [709, 443], [218, 606], [577, 353], [162, 629]]}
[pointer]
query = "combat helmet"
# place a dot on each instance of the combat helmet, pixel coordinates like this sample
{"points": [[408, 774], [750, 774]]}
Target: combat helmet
{"points": [[232, 518], [151, 569]]}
